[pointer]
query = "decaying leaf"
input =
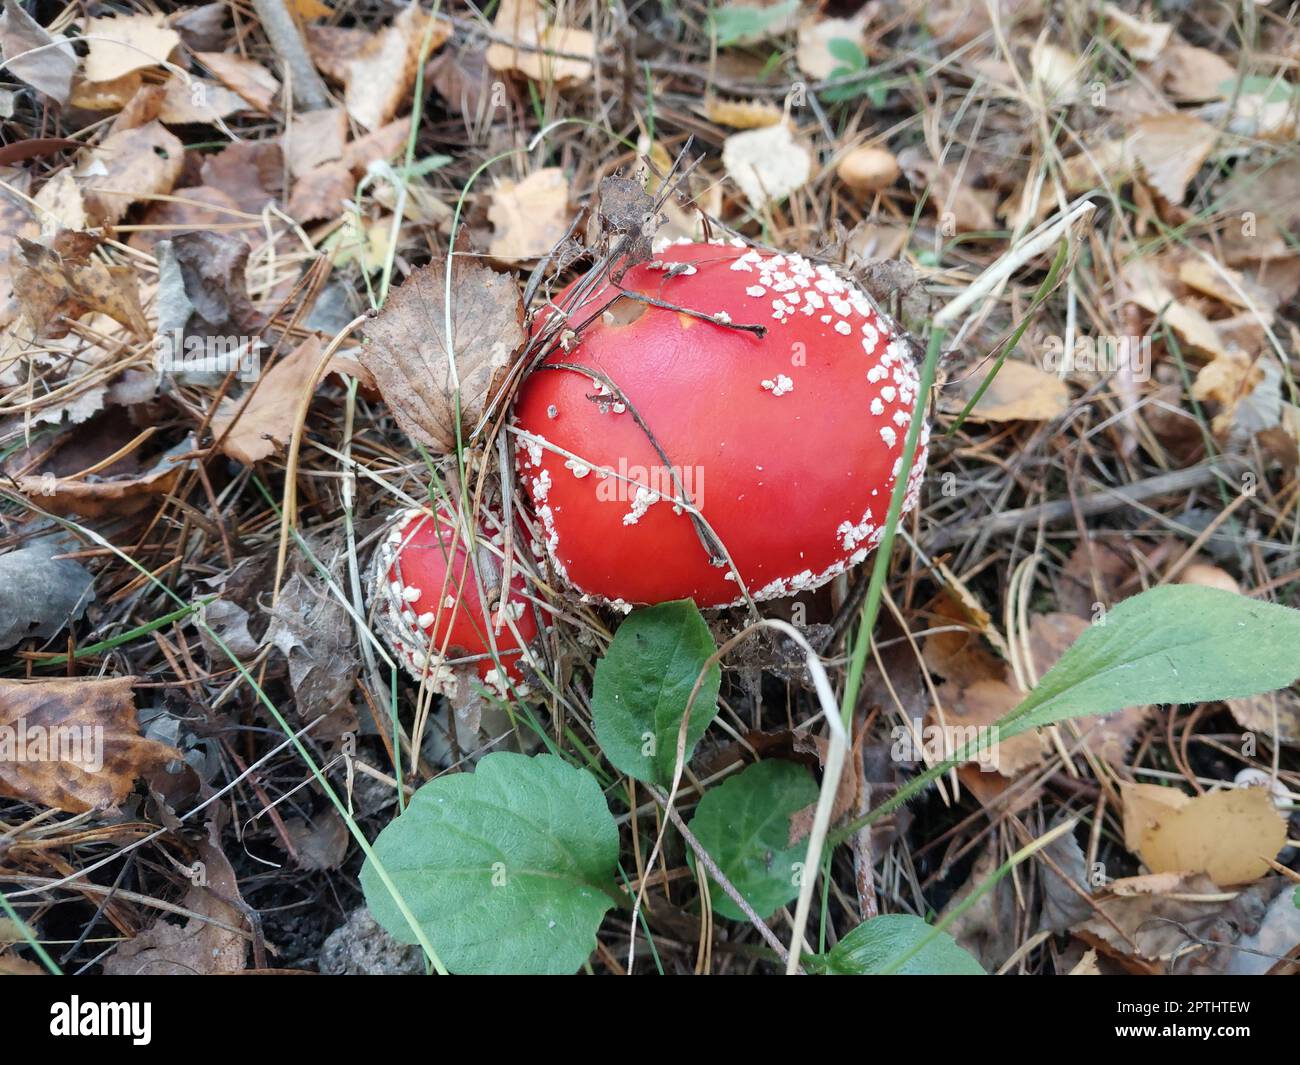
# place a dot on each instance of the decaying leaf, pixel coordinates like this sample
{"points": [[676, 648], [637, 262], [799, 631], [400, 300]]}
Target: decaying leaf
{"points": [[48, 70], [213, 941], [74, 745], [766, 164], [960, 208], [60, 283], [129, 166], [315, 633], [93, 496], [1257, 715], [1228, 835], [1170, 149], [315, 137], [257, 427], [529, 217], [539, 50], [249, 80], [121, 44], [39, 593], [1141, 39], [1019, 392], [379, 77], [409, 352]]}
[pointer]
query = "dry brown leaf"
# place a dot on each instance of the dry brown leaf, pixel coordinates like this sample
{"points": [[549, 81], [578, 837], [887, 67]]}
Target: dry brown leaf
{"points": [[130, 166], [250, 172], [122, 44], [105, 95], [306, 10], [1247, 392], [256, 428], [320, 193], [199, 102], [383, 143], [1170, 149], [60, 201], [98, 496], [741, 114], [74, 745], [378, 79], [981, 704], [209, 943], [1019, 392], [766, 164], [960, 208], [1190, 73], [537, 50], [1143, 284], [813, 54], [407, 348], [64, 281], [315, 137], [1227, 286], [250, 80], [197, 208], [529, 217], [1228, 835], [1142, 40], [1256, 715], [332, 48]]}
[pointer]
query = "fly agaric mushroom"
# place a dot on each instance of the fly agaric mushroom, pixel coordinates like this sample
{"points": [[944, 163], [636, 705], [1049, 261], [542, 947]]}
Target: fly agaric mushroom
{"points": [[431, 600], [720, 416]]}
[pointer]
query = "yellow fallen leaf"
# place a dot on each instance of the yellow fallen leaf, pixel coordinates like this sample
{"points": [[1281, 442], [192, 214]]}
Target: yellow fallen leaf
{"points": [[529, 217], [742, 114], [1019, 392], [120, 44], [538, 50], [57, 284], [1228, 835], [1143, 284]]}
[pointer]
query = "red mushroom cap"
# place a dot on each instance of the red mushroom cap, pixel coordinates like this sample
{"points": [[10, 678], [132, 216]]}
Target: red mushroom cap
{"points": [[430, 603], [787, 443]]}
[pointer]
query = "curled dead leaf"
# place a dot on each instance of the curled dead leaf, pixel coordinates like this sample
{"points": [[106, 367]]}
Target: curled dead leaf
{"points": [[409, 351], [74, 745], [58, 284]]}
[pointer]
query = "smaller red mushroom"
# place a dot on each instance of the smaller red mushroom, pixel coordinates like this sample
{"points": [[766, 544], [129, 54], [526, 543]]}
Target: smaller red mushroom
{"points": [[441, 614]]}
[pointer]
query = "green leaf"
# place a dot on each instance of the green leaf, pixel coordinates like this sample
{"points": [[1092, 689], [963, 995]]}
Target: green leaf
{"points": [[642, 686], [847, 52], [875, 945], [1296, 898], [744, 824], [508, 869], [1178, 644], [743, 24]]}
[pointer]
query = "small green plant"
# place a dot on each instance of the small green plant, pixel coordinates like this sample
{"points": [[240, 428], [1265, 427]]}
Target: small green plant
{"points": [[853, 77], [511, 868]]}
